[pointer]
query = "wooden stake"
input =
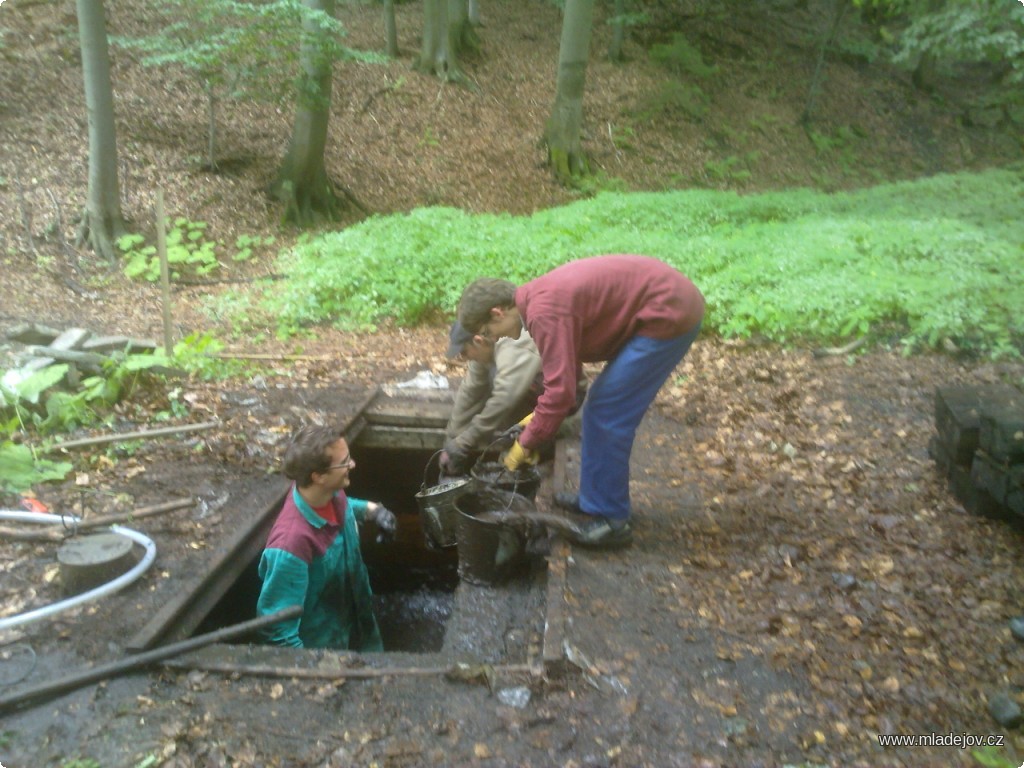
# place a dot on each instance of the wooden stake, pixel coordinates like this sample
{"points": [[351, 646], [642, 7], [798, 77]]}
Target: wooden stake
{"points": [[165, 272]]}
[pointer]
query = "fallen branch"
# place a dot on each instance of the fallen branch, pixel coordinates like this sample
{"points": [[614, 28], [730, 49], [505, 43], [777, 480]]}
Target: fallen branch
{"points": [[843, 350], [348, 673], [144, 434], [265, 356], [46, 691]]}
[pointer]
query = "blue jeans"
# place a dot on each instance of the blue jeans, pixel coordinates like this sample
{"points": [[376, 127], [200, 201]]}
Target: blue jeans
{"points": [[615, 406]]}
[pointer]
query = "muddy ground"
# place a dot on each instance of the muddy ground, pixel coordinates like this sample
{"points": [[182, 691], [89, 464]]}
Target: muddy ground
{"points": [[801, 578]]}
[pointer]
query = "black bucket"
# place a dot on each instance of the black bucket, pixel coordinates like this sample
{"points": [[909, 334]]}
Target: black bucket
{"points": [[524, 481], [437, 508], [492, 537]]}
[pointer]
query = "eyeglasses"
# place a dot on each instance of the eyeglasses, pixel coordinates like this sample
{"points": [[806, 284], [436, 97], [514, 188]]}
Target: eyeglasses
{"points": [[487, 332], [346, 464]]}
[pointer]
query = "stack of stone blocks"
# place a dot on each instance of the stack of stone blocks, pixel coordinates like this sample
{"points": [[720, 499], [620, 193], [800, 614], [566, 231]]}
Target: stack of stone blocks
{"points": [[979, 445]]}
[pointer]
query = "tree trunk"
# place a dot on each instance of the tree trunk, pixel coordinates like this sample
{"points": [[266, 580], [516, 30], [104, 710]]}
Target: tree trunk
{"points": [[102, 220], [446, 31], [302, 183], [618, 31], [562, 133], [390, 29], [474, 13], [838, 11]]}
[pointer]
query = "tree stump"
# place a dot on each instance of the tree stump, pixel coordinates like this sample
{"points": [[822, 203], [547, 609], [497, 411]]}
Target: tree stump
{"points": [[87, 562]]}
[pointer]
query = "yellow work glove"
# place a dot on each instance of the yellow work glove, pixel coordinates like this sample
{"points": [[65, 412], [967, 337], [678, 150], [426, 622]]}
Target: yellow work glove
{"points": [[513, 432], [517, 457]]}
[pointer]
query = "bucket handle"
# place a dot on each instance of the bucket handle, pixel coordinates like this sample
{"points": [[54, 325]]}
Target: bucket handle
{"points": [[515, 475], [426, 468]]}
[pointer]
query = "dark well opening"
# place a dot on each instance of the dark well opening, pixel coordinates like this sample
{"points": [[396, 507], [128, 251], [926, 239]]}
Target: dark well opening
{"points": [[413, 585]]}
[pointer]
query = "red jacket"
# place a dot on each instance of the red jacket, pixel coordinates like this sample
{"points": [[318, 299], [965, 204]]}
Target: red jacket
{"points": [[585, 311]]}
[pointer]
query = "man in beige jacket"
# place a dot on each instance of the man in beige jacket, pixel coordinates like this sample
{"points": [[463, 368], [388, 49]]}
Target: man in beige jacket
{"points": [[501, 386]]}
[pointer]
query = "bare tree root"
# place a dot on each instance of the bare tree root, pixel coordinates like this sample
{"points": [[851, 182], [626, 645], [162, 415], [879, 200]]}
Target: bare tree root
{"points": [[101, 236], [568, 166], [308, 205]]}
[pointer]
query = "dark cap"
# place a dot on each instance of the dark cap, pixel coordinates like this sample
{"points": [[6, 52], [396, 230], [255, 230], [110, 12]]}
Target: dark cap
{"points": [[458, 337]]}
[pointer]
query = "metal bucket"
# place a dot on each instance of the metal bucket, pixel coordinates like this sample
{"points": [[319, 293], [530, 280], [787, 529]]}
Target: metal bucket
{"points": [[492, 537], [437, 507], [524, 481]]}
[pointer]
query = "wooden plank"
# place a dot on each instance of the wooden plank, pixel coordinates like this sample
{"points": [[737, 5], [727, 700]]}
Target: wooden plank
{"points": [[69, 355], [108, 344], [72, 338], [180, 616], [32, 333], [406, 438]]}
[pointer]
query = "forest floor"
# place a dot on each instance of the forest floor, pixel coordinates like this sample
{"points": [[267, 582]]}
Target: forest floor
{"points": [[801, 579]]}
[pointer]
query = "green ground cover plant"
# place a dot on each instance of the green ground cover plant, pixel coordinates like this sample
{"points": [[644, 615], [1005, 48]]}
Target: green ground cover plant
{"points": [[925, 264]]}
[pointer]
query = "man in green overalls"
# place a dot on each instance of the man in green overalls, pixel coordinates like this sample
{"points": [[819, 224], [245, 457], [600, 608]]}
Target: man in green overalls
{"points": [[312, 557]]}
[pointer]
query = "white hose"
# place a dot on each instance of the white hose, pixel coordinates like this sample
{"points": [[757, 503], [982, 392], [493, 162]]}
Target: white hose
{"points": [[93, 594]]}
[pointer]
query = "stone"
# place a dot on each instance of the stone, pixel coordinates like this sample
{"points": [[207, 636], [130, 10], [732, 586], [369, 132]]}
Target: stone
{"points": [[1017, 627], [1005, 710]]}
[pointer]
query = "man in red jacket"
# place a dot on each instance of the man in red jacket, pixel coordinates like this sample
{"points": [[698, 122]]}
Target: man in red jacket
{"points": [[637, 314]]}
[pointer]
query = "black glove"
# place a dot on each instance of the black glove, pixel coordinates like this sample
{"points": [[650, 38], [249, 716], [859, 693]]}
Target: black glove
{"points": [[511, 435], [454, 461], [385, 521]]}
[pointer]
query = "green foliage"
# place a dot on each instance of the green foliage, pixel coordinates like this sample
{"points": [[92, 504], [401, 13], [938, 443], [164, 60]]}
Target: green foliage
{"points": [[238, 50], [245, 51], [993, 757], [20, 468], [674, 98], [197, 354], [682, 58], [188, 251], [733, 169], [955, 32], [245, 244], [38, 405], [922, 262]]}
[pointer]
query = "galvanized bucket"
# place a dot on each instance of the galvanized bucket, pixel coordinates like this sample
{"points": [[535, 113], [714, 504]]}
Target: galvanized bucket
{"points": [[493, 529], [437, 507]]}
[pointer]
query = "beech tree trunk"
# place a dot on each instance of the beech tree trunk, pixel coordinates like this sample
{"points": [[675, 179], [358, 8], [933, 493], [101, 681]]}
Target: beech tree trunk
{"points": [[446, 31], [102, 220], [302, 183], [618, 31], [390, 29], [562, 133]]}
